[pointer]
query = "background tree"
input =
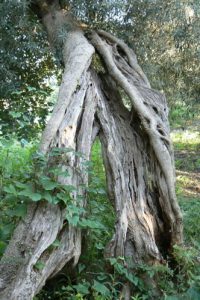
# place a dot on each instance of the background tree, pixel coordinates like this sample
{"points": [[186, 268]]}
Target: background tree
{"points": [[25, 69], [164, 37]]}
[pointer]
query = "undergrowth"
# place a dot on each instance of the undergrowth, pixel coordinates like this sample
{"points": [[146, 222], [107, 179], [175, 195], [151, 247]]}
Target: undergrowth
{"points": [[96, 277]]}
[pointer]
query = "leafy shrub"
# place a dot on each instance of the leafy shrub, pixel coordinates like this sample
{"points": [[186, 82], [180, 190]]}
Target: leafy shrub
{"points": [[15, 166]]}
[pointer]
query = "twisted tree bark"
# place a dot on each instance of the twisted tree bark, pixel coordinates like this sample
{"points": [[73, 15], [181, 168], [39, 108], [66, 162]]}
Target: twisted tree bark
{"points": [[138, 158]]}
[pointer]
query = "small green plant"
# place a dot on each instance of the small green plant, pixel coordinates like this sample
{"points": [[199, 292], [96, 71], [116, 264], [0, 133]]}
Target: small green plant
{"points": [[191, 212], [188, 267], [38, 181]]}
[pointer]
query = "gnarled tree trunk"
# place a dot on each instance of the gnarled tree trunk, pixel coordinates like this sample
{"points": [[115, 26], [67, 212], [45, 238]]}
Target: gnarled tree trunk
{"points": [[137, 154]]}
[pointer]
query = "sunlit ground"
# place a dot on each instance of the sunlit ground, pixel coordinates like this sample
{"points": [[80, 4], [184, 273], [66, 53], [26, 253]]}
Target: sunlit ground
{"points": [[187, 162]]}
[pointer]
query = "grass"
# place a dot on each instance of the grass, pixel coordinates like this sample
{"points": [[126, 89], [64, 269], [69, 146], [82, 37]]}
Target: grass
{"points": [[187, 163], [184, 115]]}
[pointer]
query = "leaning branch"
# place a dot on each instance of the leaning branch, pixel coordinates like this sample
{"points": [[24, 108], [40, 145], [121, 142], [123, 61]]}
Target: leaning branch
{"points": [[78, 54], [132, 59]]}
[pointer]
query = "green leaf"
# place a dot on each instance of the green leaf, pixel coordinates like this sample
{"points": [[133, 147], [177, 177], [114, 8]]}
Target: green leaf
{"points": [[17, 92], [133, 279], [62, 196], [33, 196], [7, 230], [47, 196], [67, 288], [69, 188], [112, 261], [23, 143], [99, 246], [193, 293], [82, 288], [10, 189], [91, 224], [25, 192], [73, 220], [39, 265], [19, 211], [30, 88], [73, 209], [20, 185], [15, 114], [102, 277], [59, 172], [48, 184], [81, 267], [101, 191], [87, 164], [101, 288]]}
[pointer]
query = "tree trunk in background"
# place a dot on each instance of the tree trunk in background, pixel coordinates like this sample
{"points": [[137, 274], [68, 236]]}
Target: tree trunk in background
{"points": [[137, 154]]}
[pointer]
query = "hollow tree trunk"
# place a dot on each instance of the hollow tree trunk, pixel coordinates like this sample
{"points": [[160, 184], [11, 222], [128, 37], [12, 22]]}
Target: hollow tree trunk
{"points": [[137, 154]]}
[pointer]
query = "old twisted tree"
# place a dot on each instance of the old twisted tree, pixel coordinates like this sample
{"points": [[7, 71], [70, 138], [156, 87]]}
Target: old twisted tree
{"points": [[137, 153]]}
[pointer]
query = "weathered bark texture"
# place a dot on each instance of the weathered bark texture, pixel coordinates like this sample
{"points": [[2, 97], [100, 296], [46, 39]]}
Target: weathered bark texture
{"points": [[137, 154], [137, 187], [138, 157]]}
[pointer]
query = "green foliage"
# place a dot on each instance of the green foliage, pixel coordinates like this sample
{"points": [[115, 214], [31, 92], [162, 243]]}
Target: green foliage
{"points": [[188, 267], [181, 283], [99, 209], [164, 35], [186, 140], [24, 179], [39, 265], [15, 164], [186, 144], [183, 114], [34, 179], [191, 211], [26, 64], [165, 39]]}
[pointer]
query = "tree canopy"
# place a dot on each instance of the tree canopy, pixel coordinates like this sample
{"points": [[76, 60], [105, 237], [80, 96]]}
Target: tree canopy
{"points": [[164, 36]]}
